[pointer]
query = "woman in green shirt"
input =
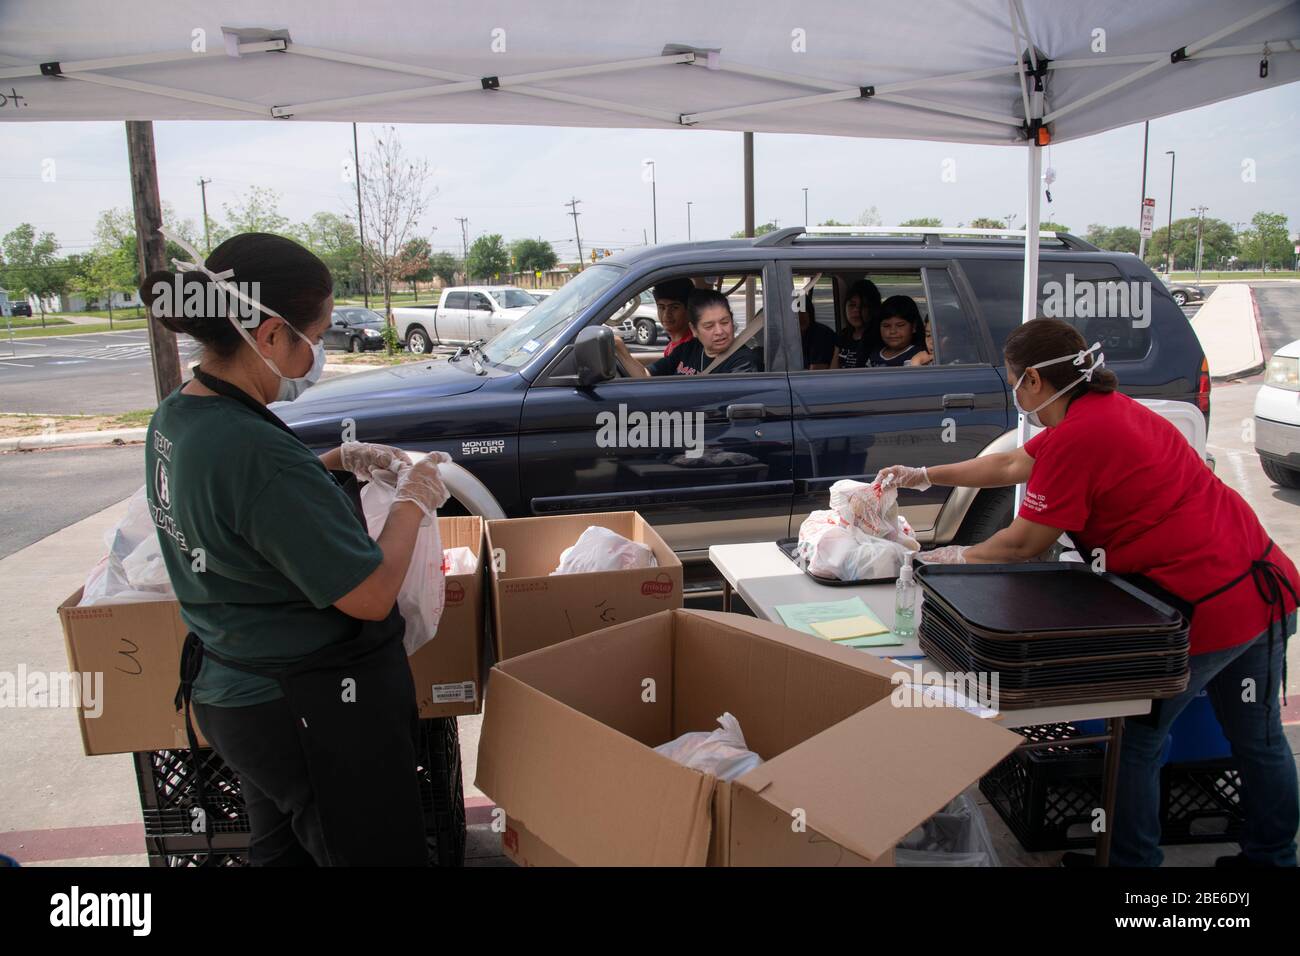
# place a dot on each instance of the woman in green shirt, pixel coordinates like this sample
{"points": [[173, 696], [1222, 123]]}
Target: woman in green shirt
{"points": [[295, 663]]}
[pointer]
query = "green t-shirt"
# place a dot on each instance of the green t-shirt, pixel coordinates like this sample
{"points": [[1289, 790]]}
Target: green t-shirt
{"points": [[258, 539]]}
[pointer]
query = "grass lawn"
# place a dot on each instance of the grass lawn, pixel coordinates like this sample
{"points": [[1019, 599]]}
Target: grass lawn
{"points": [[19, 426], [23, 322], [379, 358], [1191, 276], [70, 329]]}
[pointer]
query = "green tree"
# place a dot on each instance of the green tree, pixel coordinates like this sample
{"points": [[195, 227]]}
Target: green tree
{"points": [[334, 239], [1050, 226], [832, 222], [1114, 238], [258, 211], [32, 265], [1219, 243], [533, 255], [1267, 242], [115, 236], [762, 230], [986, 222], [101, 275], [487, 257], [924, 221], [445, 266]]}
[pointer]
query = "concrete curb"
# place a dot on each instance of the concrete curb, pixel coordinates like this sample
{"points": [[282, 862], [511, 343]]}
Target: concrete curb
{"points": [[114, 436], [1228, 328]]}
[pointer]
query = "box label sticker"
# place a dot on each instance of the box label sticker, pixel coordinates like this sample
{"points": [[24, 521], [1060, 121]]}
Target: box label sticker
{"points": [[454, 593], [459, 693], [660, 587]]}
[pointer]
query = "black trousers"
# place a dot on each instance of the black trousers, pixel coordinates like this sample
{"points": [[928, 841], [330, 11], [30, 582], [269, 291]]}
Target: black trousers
{"points": [[260, 743]]}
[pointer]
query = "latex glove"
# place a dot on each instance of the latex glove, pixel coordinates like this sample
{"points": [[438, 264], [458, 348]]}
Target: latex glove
{"points": [[952, 554], [363, 459], [905, 476], [421, 484]]}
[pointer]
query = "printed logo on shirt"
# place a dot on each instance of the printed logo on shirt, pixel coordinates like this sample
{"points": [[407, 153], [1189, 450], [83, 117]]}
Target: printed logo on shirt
{"points": [[162, 485], [1035, 501]]}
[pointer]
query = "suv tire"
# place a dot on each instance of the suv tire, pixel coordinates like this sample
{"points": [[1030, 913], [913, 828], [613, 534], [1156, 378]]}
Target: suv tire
{"points": [[990, 512], [1280, 474], [647, 333]]}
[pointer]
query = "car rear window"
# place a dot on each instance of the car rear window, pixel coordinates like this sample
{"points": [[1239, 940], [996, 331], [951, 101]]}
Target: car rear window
{"points": [[1092, 296]]}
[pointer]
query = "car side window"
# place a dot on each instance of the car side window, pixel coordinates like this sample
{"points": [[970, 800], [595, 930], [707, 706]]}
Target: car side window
{"points": [[456, 300], [480, 302], [950, 333]]}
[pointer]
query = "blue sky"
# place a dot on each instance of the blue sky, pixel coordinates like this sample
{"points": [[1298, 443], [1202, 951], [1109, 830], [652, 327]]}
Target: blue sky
{"points": [[515, 180]]}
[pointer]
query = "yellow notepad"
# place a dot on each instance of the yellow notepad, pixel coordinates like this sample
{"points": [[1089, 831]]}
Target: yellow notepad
{"points": [[847, 628]]}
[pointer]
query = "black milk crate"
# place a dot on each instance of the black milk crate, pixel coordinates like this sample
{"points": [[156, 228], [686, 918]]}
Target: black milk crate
{"points": [[1047, 797], [168, 796]]}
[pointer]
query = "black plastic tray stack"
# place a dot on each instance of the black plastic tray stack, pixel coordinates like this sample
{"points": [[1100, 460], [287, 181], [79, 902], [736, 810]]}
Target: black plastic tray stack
{"points": [[1054, 633]]}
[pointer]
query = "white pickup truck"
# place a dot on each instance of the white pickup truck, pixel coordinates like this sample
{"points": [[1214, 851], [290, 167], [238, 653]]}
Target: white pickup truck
{"points": [[464, 313]]}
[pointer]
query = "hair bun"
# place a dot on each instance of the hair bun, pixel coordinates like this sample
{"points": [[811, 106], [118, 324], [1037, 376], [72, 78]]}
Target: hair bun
{"points": [[164, 292]]}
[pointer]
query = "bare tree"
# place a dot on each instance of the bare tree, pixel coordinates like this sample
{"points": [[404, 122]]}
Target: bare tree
{"points": [[394, 195]]}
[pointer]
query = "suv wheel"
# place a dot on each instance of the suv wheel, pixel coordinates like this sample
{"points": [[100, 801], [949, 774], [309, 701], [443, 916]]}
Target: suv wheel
{"points": [[417, 340], [989, 513], [354, 344], [647, 333], [1280, 474]]}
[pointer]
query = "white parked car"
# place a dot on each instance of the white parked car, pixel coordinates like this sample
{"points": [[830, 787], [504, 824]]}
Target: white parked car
{"points": [[464, 313], [1277, 417]]}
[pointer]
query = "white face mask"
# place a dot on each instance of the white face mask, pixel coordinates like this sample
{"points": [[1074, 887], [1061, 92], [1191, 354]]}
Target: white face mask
{"points": [[290, 388], [1078, 358]]}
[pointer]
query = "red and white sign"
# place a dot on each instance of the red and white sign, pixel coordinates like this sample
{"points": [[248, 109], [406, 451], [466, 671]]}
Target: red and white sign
{"points": [[1148, 215]]}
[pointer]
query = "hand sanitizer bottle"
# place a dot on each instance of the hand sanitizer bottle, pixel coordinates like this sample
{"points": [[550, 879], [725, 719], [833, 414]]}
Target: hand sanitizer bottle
{"points": [[905, 601]]}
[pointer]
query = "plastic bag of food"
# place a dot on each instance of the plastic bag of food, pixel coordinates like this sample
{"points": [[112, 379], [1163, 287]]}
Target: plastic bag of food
{"points": [[421, 596], [721, 753], [133, 569], [460, 560], [599, 549], [872, 509], [830, 548]]}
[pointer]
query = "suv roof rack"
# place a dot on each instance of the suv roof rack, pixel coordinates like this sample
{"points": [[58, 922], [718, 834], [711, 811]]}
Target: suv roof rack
{"points": [[927, 235]]}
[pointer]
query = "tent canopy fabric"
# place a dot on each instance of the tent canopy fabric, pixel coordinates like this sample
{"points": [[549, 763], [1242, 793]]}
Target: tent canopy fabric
{"points": [[951, 70]]}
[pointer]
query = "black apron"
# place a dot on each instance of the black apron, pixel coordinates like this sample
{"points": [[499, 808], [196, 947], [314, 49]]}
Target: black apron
{"points": [[357, 719], [1271, 584]]}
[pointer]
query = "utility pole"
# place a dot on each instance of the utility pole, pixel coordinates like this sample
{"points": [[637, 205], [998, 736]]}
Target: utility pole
{"points": [[1200, 222], [573, 211], [361, 226], [464, 244], [150, 249], [688, 221], [1169, 229], [1009, 218], [207, 236], [1146, 137]]}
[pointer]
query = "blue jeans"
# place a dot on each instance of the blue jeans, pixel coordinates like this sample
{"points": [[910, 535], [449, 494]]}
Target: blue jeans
{"points": [[1270, 799]]}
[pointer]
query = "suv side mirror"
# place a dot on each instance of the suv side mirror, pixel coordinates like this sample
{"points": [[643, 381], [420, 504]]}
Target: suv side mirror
{"points": [[341, 322], [594, 353]]}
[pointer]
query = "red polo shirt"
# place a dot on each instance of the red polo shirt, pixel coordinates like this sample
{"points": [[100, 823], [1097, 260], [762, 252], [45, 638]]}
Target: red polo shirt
{"points": [[1119, 477]]}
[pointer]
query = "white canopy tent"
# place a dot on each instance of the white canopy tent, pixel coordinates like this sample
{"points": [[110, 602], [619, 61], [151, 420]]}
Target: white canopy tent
{"points": [[997, 72]]}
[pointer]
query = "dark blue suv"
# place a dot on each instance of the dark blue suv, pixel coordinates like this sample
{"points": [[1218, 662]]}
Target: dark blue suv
{"points": [[545, 417]]}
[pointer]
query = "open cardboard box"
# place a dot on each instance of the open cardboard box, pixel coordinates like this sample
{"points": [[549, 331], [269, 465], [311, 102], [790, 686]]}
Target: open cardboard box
{"points": [[532, 609], [137, 648], [566, 749]]}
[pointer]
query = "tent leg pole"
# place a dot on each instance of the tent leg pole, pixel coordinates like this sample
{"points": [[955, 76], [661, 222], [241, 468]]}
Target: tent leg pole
{"points": [[749, 217], [1029, 304], [150, 250]]}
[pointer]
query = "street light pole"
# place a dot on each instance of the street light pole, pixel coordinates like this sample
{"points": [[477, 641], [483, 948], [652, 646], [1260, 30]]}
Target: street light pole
{"points": [[207, 236], [1169, 229], [805, 207], [688, 220], [1200, 222]]}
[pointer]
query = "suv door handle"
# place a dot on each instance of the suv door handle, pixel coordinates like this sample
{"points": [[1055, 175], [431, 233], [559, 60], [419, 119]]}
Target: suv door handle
{"points": [[959, 400], [735, 412]]}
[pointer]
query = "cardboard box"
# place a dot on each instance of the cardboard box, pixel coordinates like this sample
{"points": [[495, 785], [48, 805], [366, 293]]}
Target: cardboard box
{"points": [[531, 609], [448, 670], [137, 648], [566, 749]]}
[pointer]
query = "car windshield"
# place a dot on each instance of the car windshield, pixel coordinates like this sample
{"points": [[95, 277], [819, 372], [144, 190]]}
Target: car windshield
{"points": [[361, 316], [514, 299], [521, 341]]}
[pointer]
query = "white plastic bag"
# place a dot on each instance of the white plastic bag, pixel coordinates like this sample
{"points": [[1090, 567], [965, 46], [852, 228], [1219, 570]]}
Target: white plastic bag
{"points": [[459, 561], [955, 836], [834, 550], [133, 569], [599, 549], [872, 509], [421, 596], [721, 753]]}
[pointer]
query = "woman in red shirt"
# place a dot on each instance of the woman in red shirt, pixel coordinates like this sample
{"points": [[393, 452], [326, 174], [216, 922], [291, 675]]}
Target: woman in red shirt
{"points": [[1131, 491]]}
